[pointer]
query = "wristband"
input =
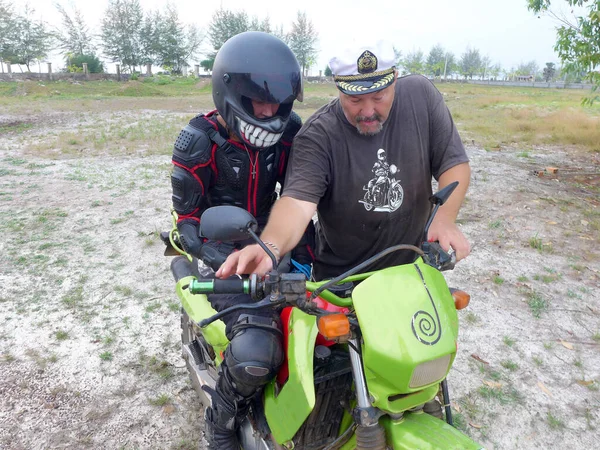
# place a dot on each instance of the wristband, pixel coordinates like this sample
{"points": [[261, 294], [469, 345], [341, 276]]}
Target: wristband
{"points": [[274, 248]]}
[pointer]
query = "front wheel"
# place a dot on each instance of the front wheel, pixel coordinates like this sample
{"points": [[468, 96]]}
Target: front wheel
{"points": [[367, 201], [396, 195]]}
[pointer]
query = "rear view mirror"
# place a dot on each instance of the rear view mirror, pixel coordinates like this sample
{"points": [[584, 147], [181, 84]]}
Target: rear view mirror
{"points": [[227, 223], [440, 197]]}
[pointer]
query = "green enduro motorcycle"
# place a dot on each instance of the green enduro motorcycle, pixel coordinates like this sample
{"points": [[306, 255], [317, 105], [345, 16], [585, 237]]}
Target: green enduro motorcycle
{"points": [[366, 353]]}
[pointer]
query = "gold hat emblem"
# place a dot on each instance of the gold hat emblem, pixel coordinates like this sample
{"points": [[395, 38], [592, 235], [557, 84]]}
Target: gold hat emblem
{"points": [[367, 62]]}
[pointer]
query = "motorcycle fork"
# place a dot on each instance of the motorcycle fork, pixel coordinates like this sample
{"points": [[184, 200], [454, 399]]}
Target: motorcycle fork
{"points": [[365, 414]]}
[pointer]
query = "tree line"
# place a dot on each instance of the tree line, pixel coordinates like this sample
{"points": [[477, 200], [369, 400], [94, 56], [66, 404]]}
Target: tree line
{"points": [[442, 64], [134, 37]]}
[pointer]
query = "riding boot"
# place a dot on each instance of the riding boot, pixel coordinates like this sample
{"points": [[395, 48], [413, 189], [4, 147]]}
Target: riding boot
{"points": [[224, 416]]}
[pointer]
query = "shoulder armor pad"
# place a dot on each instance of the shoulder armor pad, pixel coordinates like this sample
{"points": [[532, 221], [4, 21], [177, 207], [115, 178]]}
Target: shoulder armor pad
{"points": [[193, 146]]}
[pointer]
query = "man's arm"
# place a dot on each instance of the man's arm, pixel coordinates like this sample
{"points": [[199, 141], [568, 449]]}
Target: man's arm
{"points": [[444, 228], [287, 223]]}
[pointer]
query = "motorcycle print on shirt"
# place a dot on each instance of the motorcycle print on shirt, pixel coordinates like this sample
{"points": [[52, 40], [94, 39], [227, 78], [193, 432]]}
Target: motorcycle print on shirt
{"points": [[383, 192]]}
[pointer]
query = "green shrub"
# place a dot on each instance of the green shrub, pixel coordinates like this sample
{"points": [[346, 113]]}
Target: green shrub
{"points": [[75, 63]]}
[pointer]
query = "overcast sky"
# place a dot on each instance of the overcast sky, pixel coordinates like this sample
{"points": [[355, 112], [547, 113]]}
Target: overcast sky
{"points": [[504, 30]]}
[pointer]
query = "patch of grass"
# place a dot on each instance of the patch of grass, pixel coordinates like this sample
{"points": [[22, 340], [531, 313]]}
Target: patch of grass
{"points": [[106, 356], [471, 318], [161, 400], [548, 345], [495, 375], [470, 404], [61, 335], [596, 337], [522, 279], [89, 248], [498, 280], [504, 395], [76, 175], [538, 361], [15, 127], [14, 161], [74, 298], [554, 422], [47, 245], [495, 224], [174, 306], [509, 365], [161, 368], [536, 243], [547, 278], [537, 304], [523, 155], [124, 290], [152, 307], [460, 422], [508, 341]]}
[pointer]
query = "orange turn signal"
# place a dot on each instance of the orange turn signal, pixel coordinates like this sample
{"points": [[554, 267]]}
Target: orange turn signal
{"points": [[333, 326], [461, 299]]}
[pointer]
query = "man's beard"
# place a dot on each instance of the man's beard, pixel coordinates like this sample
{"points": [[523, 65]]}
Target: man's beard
{"points": [[375, 117]]}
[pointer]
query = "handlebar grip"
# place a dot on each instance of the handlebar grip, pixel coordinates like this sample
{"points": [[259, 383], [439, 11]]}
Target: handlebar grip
{"points": [[181, 268], [217, 286]]}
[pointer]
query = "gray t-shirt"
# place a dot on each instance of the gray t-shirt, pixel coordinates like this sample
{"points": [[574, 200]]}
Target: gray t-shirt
{"points": [[372, 191]]}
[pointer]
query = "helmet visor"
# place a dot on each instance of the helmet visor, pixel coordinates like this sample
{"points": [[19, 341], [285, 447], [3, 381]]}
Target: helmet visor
{"points": [[267, 87]]}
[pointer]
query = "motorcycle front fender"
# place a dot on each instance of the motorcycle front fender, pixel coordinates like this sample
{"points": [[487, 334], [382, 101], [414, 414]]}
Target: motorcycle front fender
{"points": [[421, 431]]}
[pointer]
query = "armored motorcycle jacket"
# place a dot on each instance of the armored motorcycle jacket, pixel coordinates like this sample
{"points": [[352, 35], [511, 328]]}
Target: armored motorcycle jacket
{"points": [[211, 169]]}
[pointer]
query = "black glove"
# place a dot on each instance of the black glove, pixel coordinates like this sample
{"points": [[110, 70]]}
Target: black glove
{"points": [[214, 253], [189, 238]]}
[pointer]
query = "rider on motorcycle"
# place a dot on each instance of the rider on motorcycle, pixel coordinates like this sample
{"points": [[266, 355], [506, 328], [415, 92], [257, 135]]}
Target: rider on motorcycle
{"points": [[381, 169], [235, 156]]}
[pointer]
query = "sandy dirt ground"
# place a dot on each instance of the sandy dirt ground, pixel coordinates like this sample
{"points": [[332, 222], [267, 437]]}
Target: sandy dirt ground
{"points": [[89, 323]]}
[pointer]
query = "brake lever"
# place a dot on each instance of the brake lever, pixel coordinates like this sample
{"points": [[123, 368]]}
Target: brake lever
{"points": [[437, 257]]}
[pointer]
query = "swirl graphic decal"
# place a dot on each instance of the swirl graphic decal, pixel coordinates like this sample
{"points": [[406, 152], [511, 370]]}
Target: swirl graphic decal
{"points": [[426, 328]]}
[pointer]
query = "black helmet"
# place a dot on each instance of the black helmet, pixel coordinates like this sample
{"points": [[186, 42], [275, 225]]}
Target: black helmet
{"points": [[255, 66]]}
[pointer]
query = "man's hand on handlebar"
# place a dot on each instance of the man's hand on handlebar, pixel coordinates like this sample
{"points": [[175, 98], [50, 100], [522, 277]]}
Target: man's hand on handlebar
{"points": [[448, 235], [251, 259]]}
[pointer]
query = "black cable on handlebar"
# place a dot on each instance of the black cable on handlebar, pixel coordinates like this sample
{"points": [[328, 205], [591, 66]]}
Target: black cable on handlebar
{"points": [[364, 264], [262, 304]]}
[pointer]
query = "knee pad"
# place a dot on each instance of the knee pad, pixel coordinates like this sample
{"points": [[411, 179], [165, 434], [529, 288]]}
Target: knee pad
{"points": [[255, 352]]}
